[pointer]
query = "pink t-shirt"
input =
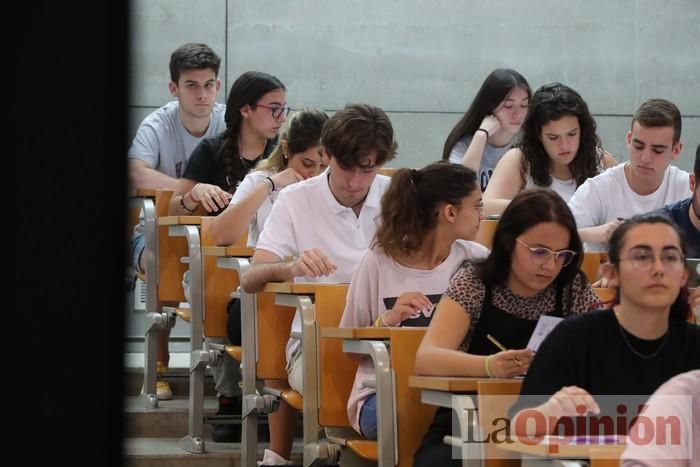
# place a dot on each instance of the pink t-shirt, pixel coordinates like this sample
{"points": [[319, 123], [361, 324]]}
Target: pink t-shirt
{"points": [[679, 400], [376, 284]]}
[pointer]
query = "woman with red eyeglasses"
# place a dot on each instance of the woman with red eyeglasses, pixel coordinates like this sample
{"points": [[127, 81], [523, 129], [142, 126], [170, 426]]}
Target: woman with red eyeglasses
{"points": [[532, 271]]}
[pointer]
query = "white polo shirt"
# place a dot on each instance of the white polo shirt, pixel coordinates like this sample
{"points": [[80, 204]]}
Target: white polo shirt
{"points": [[607, 196], [306, 215]]}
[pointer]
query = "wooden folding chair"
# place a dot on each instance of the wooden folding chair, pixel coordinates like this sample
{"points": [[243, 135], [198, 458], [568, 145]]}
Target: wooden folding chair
{"points": [[590, 265], [607, 295], [487, 228], [494, 399]]}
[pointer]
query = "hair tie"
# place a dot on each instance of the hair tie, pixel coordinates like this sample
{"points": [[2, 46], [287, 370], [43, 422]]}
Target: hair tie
{"points": [[416, 176]]}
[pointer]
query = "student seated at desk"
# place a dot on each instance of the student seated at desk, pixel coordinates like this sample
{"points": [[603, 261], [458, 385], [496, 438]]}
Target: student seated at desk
{"points": [[491, 125], [297, 156], [255, 110], [647, 181], [559, 149], [533, 270], [418, 247], [686, 213], [326, 223], [665, 403], [631, 351]]}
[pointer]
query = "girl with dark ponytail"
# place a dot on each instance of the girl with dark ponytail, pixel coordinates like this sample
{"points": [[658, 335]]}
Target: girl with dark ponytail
{"points": [[429, 218]]}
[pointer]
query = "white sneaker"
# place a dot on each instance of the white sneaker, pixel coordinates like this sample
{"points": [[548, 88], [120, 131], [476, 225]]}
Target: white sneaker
{"points": [[272, 458]]}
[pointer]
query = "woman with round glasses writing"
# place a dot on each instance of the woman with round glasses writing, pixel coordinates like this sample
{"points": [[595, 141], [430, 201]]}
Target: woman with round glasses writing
{"points": [[631, 351], [533, 270]]}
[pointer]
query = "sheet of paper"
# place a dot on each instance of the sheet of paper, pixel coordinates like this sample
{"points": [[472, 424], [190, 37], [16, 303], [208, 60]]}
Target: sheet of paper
{"points": [[544, 326]]}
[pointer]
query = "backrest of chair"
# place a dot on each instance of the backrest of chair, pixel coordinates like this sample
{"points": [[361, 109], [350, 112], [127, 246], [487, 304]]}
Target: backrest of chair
{"points": [[413, 417], [170, 250], [274, 324], [487, 228], [219, 283], [591, 265], [494, 399], [606, 456], [336, 369], [606, 295], [389, 171]]}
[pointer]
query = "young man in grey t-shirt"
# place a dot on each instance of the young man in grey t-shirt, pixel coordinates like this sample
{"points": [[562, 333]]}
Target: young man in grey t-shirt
{"points": [[166, 138]]}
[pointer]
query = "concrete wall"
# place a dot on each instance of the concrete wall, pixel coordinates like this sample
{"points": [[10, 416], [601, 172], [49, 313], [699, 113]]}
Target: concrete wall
{"points": [[423, 60]]}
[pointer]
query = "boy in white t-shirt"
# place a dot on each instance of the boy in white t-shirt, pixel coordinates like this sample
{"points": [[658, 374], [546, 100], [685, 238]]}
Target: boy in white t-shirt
{"points": [[646, 182], [326, 223]]}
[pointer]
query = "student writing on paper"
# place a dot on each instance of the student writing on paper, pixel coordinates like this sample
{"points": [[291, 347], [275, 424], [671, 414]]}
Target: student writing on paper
{"points": [[424, 236], [533, 270], [588, 359]]}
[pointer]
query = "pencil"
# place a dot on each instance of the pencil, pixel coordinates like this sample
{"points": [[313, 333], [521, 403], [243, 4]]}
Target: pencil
{"points": [[500, 346], [495, 342]]}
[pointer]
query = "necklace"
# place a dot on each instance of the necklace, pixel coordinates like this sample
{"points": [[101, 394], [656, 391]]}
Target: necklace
{"points": [[634, 351]]}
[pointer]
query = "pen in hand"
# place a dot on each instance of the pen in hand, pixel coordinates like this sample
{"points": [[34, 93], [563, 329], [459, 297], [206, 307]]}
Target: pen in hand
{"points": [[500, 346]]}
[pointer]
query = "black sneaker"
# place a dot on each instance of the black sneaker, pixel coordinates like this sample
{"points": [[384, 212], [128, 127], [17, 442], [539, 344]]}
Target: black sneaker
{"points": [[228, 432]]}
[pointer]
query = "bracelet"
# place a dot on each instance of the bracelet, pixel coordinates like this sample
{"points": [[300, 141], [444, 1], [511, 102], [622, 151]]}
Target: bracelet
{"points": [[192, 196], [486, 364], [485, 131], [380, 323], [272, 184], [185, 208]]}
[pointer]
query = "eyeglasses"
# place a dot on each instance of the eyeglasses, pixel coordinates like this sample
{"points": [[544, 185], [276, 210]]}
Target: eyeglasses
{"points": [[276, 110], [540, 255], [643, 260]]}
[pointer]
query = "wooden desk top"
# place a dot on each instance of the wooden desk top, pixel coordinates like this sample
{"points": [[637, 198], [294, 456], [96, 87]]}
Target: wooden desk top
{"points": [[449, 383], [300, 288], [356, 333], [142, 193], [560, 449], [180, 220], [443, 383], [228, 251]]}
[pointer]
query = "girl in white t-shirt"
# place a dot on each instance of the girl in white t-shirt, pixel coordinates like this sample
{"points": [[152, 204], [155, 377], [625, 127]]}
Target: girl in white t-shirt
{"points": [[491, 125], [559, 149], [297, 156], [429, 217]]}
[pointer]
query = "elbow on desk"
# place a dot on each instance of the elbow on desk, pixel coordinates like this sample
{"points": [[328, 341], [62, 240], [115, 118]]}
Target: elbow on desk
{"points": [[424, 364], [249, 286]]}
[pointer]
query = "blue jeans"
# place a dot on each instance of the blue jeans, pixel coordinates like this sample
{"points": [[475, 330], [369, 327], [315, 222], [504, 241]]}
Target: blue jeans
{"points": [[138, 244], [368, 417]]}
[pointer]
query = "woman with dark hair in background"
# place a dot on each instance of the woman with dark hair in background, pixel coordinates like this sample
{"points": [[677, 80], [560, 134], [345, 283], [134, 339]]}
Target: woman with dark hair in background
{"points": [[491, 125], [559, 149]]}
